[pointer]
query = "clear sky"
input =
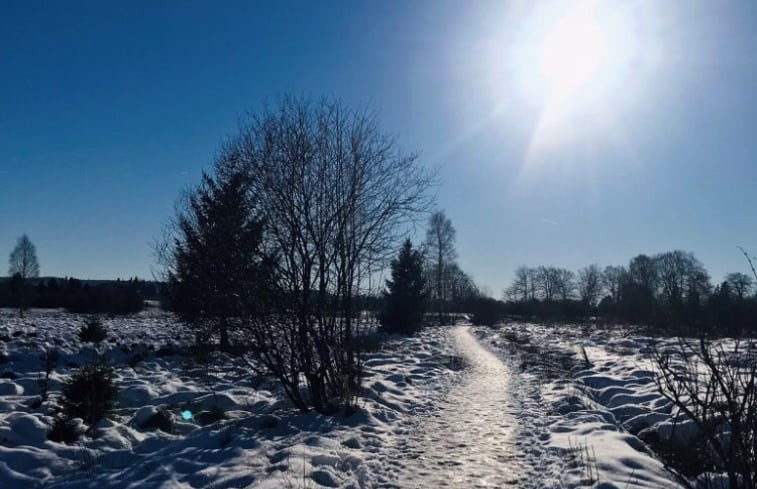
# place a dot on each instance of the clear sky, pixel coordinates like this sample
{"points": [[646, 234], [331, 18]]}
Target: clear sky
{"points": [[560, 136]]}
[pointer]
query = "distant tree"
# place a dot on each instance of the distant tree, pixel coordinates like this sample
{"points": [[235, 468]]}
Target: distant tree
{"points": [[406, 297], [546, 282], [460, 288], [590, 285], [565, 284], [215, 261], [639, 289], [441, 254], [486, 310], [680, 276], [606, 306], [612, 277], [642, 271], [521, 286], [683, 283], [741, 285], [24, 264]]}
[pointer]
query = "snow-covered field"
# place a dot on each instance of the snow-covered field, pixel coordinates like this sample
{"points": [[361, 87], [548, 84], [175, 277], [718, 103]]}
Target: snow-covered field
{"points": [[454, 406], [261, 443], [599, 401]]}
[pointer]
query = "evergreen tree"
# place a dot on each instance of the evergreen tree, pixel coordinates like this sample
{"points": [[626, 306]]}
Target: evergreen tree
{"points": [[406, 296], [218, 270]]}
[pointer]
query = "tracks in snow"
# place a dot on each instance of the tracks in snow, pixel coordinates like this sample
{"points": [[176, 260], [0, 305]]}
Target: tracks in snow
{"points": [[484, 434]]}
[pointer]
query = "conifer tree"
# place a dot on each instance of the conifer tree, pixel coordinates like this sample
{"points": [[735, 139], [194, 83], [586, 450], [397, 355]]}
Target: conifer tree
{"points": [[406, 296], [217, 264]]}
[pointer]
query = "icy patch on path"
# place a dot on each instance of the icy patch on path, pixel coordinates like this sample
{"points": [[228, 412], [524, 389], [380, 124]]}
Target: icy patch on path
{"points": [[474, 439]]}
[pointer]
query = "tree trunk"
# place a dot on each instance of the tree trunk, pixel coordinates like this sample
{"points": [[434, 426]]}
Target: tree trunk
{"points": [[223, 329], [23, 299]]}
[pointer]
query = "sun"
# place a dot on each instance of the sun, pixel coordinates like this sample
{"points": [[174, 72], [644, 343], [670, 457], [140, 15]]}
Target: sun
{"points": [[572, 65], [573, 50]]}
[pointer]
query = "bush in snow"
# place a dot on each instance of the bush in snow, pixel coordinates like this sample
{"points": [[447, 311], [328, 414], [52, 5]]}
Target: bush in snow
{"points": [[90, 394], [715, 386], [93, 331], [63, 431]]}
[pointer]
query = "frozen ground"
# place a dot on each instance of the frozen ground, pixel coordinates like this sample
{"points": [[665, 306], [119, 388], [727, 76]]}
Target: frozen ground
{"points": [[450, 407]]}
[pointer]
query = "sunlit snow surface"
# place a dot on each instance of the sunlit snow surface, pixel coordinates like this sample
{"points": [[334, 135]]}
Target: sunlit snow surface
{"points": [[262, 443], [591, 409], [449, 407], [473, 438]]}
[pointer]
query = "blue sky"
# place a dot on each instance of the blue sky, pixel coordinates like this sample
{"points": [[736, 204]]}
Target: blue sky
{"points": [[108, 110]]}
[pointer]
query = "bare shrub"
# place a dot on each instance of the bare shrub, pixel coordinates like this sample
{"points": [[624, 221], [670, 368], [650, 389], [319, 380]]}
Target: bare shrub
{"points": [[715, 386], [336, 196]]}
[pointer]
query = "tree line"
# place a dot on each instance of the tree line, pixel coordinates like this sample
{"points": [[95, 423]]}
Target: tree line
{"points": [[670, 290], [108, 297], [24, 289]]}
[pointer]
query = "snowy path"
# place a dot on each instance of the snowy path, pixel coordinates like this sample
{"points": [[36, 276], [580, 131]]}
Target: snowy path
{"points": [[482, 434]]}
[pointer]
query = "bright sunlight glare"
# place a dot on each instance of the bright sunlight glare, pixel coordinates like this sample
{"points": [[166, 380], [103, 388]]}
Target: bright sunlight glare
{"points": [[573, 51], [576, 62]]}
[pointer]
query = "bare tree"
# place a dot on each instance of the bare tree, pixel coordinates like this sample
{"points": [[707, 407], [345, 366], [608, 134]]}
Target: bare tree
{"points": [[440, 251], [546, 282], [681, 276], [521, 287], [642, 271], [749, 260], [565, 283], [460, 285], [590, 284], [532, 274], [336, 196], [741, 284], [23, 266], [612, 278]]}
